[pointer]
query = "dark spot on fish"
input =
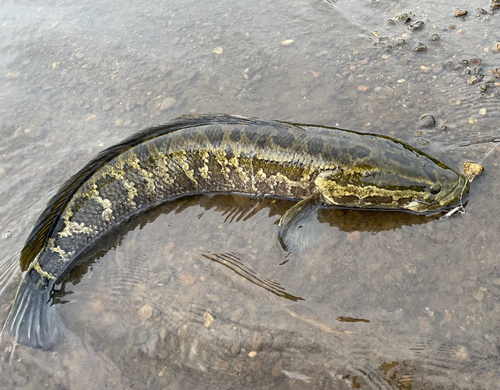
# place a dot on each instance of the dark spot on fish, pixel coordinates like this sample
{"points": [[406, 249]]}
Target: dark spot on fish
{"points": [[215, 135], [189, 134], [404, 201], [252, 132], [261, 142], [378, 200], [359, 152], [343, 141], [315, 145], [283, 140], [398, 158], [229, 150], [235, 136], [347, 200]]}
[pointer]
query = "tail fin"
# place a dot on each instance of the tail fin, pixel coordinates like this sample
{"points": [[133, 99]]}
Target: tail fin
{"points": [[33, 321]]}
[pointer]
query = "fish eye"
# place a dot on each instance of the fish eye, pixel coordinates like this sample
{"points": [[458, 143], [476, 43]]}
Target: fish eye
{"points": [[435, 188]]}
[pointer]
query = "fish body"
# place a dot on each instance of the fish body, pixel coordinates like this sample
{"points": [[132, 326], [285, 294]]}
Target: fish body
{"points": [[217, 154]]}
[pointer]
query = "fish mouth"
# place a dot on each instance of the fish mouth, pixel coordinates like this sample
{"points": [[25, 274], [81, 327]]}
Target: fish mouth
{"points": [[456, 195]]}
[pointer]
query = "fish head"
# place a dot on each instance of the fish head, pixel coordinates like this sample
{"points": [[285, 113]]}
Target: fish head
{"points": [[424, 188]]}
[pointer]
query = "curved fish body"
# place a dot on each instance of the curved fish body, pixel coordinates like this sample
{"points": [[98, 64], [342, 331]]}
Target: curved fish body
{"points": [[217, 154]]}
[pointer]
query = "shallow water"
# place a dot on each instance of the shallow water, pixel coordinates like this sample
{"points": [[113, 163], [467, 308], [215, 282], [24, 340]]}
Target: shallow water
{"points": [[198, 293]]}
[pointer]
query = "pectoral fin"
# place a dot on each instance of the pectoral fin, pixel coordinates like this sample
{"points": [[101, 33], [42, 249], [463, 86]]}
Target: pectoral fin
{"points": [[292, 236]]}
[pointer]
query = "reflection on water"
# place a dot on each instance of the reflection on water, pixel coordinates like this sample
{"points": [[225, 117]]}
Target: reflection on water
{"points": [[234, 263], [148, 308]]}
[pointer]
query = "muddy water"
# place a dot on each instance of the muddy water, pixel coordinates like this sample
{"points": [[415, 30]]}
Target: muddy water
{"points": [[198, 293]]}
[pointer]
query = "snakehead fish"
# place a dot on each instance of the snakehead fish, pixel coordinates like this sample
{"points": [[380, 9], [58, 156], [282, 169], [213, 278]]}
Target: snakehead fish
{"points": [[217, 154]]}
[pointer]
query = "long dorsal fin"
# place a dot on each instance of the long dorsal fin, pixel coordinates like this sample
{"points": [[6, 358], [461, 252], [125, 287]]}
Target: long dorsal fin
{"points": [[47, 221]]}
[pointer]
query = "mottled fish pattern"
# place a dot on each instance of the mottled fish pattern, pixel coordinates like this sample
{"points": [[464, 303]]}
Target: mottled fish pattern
{"points": [[217, 154]]}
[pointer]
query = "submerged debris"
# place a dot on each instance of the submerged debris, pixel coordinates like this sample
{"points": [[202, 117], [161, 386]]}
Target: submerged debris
{"points": [[403, 17], [496, 47], [427, 121], [417, 25], [471, 170], [460, 12]]}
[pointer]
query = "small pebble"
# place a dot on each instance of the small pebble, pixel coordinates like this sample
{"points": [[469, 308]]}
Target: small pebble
{"points": [[459, 12], [252, 354], [208, 318], [417, 25], [146, 312], [473, 62], [427, 121], [420, 47], [353, 236], [478, 295], [97, 305], [90, 118], [472, 80], [12, 75], [218, 50], [186, 280], [287, 42], [167, 104], [434, 37], [482, 111], [235, 348]]}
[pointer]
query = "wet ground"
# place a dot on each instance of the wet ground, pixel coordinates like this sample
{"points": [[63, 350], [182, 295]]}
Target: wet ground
{"points": [[197, 294]]}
